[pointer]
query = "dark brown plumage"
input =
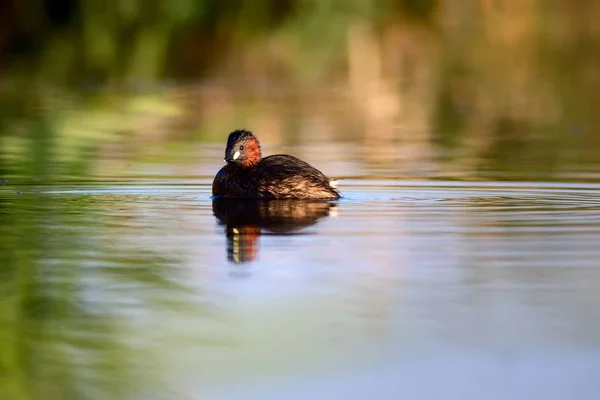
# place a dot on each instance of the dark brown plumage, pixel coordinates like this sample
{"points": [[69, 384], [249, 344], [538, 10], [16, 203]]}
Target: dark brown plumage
{"points": [[248, 175]]}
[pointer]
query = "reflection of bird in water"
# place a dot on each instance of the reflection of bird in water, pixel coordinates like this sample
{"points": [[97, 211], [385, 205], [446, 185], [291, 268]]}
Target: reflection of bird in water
{"points": [[245, 221]]}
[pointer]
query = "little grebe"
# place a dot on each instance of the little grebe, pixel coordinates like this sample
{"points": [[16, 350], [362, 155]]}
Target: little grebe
{"points": [[248, 175]]}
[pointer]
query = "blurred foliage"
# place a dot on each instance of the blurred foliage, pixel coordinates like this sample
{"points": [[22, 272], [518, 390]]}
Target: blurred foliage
{"points": [[88, 42], [511, 83]]}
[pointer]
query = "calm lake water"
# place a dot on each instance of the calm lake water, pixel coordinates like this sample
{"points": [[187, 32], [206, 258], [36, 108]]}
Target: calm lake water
{"points": [[145, 289]]}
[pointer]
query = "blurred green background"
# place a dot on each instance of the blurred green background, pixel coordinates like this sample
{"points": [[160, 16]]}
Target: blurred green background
{"points": [[492, 89]]}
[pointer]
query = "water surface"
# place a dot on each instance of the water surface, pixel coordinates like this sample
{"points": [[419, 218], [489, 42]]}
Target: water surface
{"points": [[423, 289]]}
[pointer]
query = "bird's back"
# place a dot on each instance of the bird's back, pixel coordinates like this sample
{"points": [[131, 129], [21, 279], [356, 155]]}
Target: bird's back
{"points": [[285, 176]]}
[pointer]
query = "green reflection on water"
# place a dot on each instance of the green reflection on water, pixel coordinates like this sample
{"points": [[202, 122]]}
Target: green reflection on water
{"points": [[73, 301]]}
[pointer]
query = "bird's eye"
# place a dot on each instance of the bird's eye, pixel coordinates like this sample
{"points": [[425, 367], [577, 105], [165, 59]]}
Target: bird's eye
{"points": [[241, 147]]}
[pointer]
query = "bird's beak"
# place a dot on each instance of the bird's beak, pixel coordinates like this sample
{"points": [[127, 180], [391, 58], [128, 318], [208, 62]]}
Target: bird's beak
{"points": [[232, 156]]}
